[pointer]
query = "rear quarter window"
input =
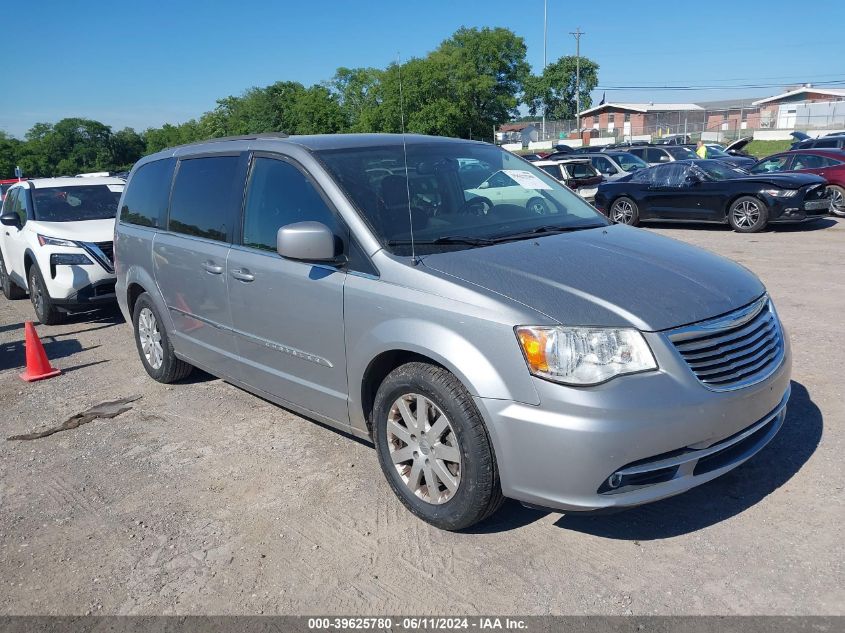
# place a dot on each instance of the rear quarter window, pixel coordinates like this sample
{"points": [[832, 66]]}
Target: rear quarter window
{"points": [[147, 195]]}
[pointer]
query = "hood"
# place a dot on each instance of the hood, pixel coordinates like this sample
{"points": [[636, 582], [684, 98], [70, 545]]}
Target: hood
{"points": [[615, 276], [739, 144], [789, 180], [799, 136], [84, 231]]}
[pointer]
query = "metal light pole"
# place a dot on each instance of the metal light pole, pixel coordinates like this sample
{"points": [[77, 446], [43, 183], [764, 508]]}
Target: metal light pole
{"points": [[545, 42], [577, 33]]}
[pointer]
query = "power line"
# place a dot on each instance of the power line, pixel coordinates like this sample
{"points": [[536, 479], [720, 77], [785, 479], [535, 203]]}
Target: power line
{"points": [[820, 84]]}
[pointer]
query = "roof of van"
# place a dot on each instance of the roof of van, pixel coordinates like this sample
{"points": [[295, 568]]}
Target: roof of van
{"points": [[309, 141]]}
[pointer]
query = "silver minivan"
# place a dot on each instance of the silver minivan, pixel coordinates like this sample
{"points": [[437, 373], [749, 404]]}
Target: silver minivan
{"points": [[491, 341]]}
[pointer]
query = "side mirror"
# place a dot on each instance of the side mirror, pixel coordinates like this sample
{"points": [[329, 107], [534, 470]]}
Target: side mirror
{"points": [[307, 241], [663, 159], [484, 185], [10, 219], [691, 180]]}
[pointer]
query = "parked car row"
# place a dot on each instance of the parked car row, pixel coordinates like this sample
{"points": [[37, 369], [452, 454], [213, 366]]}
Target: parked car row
{"points": [[710, 191], [488, 330]]}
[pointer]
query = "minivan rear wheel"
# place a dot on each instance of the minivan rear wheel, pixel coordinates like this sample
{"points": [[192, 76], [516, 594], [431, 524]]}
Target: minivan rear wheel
{"points": [[153, 343], [433, 447]]}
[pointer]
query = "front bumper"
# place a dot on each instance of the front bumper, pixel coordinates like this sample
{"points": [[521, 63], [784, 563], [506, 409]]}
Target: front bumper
{"points": [[663, 432], [77, 286], [788, 211]]}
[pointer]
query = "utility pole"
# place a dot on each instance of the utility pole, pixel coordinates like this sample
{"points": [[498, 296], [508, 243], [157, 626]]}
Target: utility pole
{"points": [[577, 33], [545, 42]]}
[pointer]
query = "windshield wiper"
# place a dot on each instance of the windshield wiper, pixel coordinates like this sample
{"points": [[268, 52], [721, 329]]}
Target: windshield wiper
{"points": [[548, 229], [446, 239]]}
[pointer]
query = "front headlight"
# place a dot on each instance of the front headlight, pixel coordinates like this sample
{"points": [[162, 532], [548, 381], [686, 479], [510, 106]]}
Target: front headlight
{"points": [[584, 356], [780, 193], [55, 241]]}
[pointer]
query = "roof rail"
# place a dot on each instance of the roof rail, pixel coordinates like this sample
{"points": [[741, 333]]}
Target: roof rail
{"points": [[243, 137]]}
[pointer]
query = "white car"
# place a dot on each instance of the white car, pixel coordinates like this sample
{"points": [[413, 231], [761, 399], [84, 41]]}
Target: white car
{"points": [[56, 242], [504, 187], [577, 173]]}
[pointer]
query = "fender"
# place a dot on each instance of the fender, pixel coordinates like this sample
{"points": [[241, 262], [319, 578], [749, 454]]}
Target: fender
{"points": [[138, 275], [503, 376]]}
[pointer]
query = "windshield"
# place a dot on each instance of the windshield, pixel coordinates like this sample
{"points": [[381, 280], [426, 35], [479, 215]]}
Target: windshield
{"points": [[716, 170], [679, 152], [715, 150], [461, 195], [76, 203], [629, 162]]}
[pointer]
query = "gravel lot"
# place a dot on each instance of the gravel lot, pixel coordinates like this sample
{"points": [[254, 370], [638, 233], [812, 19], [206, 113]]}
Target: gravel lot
{"points": [[205, 499]]}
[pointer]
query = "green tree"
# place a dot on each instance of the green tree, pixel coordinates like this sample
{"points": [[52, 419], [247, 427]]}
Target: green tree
{"points": [[318, 111], [357, 92], [554, 90], [127, 146], [470, 83], [9, 152]]}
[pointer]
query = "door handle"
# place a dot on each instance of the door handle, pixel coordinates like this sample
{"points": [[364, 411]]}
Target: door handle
{"points": [[242, 274], [211, 267]]}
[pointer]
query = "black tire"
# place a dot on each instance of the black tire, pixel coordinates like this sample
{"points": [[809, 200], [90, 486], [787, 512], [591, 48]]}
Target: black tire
{"points": [[10, 289], [42, 303], [837, 206], [748, 214], [171, 368], [619, 213], [478, 493], [538, 205]]}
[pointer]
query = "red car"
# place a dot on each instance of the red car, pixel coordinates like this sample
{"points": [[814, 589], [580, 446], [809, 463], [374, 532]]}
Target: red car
{"points": [[827, 163]]}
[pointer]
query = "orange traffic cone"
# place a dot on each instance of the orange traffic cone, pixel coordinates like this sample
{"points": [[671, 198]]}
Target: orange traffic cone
{"points": [[37, 365]]}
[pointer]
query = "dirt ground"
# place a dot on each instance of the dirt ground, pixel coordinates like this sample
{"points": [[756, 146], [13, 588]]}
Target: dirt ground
{"points": [[205, 499]]}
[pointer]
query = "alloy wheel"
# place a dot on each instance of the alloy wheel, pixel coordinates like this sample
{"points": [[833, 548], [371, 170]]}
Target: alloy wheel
{"points": [[150, 338], [746, 214], [424, 448], [538, 207], [622, 212], [837, 201]]}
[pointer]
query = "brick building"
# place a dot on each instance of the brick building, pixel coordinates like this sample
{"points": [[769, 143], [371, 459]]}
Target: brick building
{"points": [[633, 119]]}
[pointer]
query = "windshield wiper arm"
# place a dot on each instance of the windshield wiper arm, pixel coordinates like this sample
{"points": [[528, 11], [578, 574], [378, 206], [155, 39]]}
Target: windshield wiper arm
{"points": [[548, 229], [446, 239]]}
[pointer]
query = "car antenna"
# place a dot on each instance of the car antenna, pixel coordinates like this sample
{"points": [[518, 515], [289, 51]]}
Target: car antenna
{"points": [[405, 157]]}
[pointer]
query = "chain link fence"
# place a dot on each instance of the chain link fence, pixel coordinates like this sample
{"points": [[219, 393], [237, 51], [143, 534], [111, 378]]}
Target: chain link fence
{"points": [[722, 127]]}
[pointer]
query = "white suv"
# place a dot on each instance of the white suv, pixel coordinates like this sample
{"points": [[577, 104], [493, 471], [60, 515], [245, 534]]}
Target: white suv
{"points": [[56, 243]]}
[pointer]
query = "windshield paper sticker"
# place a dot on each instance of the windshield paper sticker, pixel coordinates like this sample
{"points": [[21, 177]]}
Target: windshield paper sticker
{"points": [[526, 179]]}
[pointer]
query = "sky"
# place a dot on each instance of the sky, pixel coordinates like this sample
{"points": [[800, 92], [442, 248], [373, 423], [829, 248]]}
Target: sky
{"points": [[147, 63]]}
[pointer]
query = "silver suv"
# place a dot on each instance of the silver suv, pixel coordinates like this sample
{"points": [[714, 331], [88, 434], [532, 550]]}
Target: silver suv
{"points": [[490, 332]]}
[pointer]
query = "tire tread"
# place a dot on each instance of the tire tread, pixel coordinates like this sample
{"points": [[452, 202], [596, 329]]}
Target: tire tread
{"points": [[490, 498]]}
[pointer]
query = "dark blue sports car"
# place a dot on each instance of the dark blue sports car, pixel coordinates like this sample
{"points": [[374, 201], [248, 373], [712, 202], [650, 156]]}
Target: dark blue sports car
{"points": [[711, 191]]}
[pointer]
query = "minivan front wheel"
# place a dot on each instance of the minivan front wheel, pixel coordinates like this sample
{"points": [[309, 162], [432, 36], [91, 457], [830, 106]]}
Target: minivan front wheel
{"points": [[153, 343], [433, 447]]}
